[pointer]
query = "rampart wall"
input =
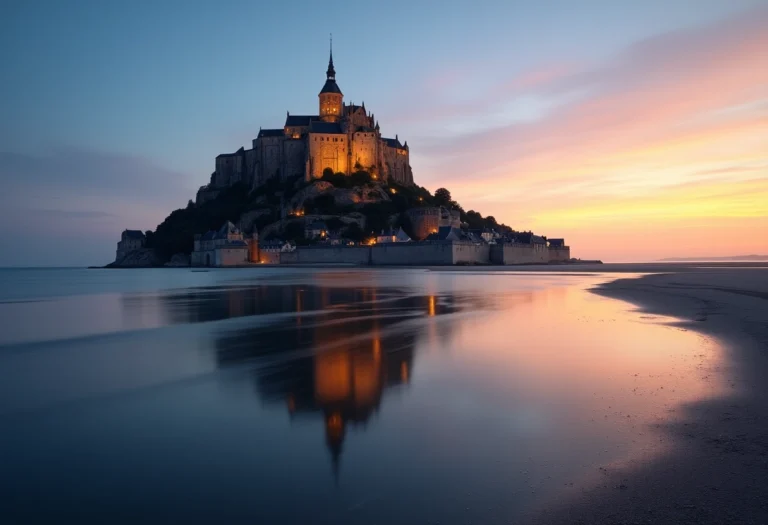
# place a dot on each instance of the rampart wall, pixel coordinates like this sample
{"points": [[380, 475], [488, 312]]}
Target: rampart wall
{"points": [[433, 253], [519, 254], [327, 255], [559, 254]]}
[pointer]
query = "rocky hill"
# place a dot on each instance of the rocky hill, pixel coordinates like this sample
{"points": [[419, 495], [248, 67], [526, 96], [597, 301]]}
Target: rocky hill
{"points": [[357, 206]]}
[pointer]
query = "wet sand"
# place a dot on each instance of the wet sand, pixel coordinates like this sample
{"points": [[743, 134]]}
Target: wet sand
{"points": [[718, 469]]}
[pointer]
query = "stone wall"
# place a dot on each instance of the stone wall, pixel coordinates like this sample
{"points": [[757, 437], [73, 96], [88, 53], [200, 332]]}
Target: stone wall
{"points": [[231, 256], [294, 153], [251, 160], [270, 155], [407, 253], [396, 165], [424, 221], [471, 253], [559, 254], [230, 168], [364, 149], [270, 257], [327, 255], [328, 150], [428, 220], [438, 253], [519, 254]]}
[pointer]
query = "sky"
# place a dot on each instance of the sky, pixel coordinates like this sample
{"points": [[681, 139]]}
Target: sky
{"points": [[636, 130]]}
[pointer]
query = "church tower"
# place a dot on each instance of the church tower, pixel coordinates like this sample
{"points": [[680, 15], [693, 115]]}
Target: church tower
{"points": [[331, 97]]}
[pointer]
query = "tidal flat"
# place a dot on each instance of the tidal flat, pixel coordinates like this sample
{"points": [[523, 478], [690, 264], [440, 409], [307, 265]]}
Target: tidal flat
{"points": [[292, 395]]}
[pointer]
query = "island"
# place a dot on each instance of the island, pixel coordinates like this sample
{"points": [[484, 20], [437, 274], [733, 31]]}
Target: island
{"points": [[327, 189]]}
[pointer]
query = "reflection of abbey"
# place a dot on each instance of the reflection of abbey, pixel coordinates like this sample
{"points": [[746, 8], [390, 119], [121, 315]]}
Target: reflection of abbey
{"points": [[342, 137]]}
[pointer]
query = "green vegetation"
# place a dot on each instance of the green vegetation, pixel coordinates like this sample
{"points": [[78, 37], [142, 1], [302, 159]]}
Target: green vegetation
{"points": [[176, 233], [476, 221], [340, 180]]}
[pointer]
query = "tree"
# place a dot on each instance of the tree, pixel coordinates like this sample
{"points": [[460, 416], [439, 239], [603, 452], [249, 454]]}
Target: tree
{"points": [[294, 231], [328, 172], [442, 197], [404, 222], [325, 203], [334, 224], [474, 220], [354, 232]]}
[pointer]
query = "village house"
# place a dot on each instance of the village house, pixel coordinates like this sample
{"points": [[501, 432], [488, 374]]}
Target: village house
{"points": [[392, 236], [269, 251], [316, 229], [225, 247]]}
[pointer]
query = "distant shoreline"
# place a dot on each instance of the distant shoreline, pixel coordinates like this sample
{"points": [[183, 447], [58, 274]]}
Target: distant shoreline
{"points": [[733, 258], [585, 266]]}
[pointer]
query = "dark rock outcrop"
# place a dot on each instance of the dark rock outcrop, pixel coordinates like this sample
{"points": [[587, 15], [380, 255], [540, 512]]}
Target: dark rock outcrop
{"points": [[142, 258]]}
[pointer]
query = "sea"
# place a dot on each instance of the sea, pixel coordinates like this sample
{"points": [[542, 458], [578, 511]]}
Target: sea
{"points": [[328, 396]]}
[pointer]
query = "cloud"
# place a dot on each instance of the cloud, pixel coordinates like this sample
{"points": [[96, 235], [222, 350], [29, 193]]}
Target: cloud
{"points": [[80, 199], [78, 170], [672, 128], [73, 214]]}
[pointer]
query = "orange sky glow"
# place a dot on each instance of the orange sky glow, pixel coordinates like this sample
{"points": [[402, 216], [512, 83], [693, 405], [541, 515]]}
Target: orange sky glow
{"points": [[660, 151]]}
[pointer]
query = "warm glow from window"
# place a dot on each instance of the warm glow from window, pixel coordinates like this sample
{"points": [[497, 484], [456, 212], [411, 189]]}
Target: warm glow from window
{"points": [[431, 305]]}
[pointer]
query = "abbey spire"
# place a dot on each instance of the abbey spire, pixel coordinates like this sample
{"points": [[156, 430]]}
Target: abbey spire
{"points": [[331, 72], [331, 97]]}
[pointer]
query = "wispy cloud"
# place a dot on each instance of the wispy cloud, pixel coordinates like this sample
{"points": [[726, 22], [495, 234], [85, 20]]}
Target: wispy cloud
{"points": [[81, 199], [674, 127], [73, 214]]}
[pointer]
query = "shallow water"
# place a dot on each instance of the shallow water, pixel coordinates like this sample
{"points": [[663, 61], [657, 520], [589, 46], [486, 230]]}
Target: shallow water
{"points": [[328, 396]]}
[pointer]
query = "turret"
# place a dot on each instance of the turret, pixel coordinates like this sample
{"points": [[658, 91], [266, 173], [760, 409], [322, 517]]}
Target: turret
{"points": [[331, 97]]}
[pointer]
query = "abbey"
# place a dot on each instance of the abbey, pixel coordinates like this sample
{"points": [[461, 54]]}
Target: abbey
{"points": [[342, 137]]}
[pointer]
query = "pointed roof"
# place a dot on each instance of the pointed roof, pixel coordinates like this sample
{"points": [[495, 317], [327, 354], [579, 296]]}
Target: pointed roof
{"points": [[393, 143], [300, 120], [226, 229], [331, 72], [330, 82]]}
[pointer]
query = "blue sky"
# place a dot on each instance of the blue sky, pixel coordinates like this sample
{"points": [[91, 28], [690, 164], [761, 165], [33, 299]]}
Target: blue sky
{"points": [[111, 113]]}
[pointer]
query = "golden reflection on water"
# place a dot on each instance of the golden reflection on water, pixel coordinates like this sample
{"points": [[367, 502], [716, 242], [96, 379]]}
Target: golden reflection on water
{"points": [[589, 364], [504, 382]]}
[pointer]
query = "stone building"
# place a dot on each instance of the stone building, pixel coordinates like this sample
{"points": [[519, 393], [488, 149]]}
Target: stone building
{"points": [[225, 247], [425, 221], [558, 250], [269, 251], [130, 240], [392, 236], [315, 229], [342, 137]]}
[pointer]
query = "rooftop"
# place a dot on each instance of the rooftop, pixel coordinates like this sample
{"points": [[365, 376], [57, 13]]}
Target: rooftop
{"points": [[133, 234], [271, 133], [300, 120], [393, 143], [317, 126]]}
